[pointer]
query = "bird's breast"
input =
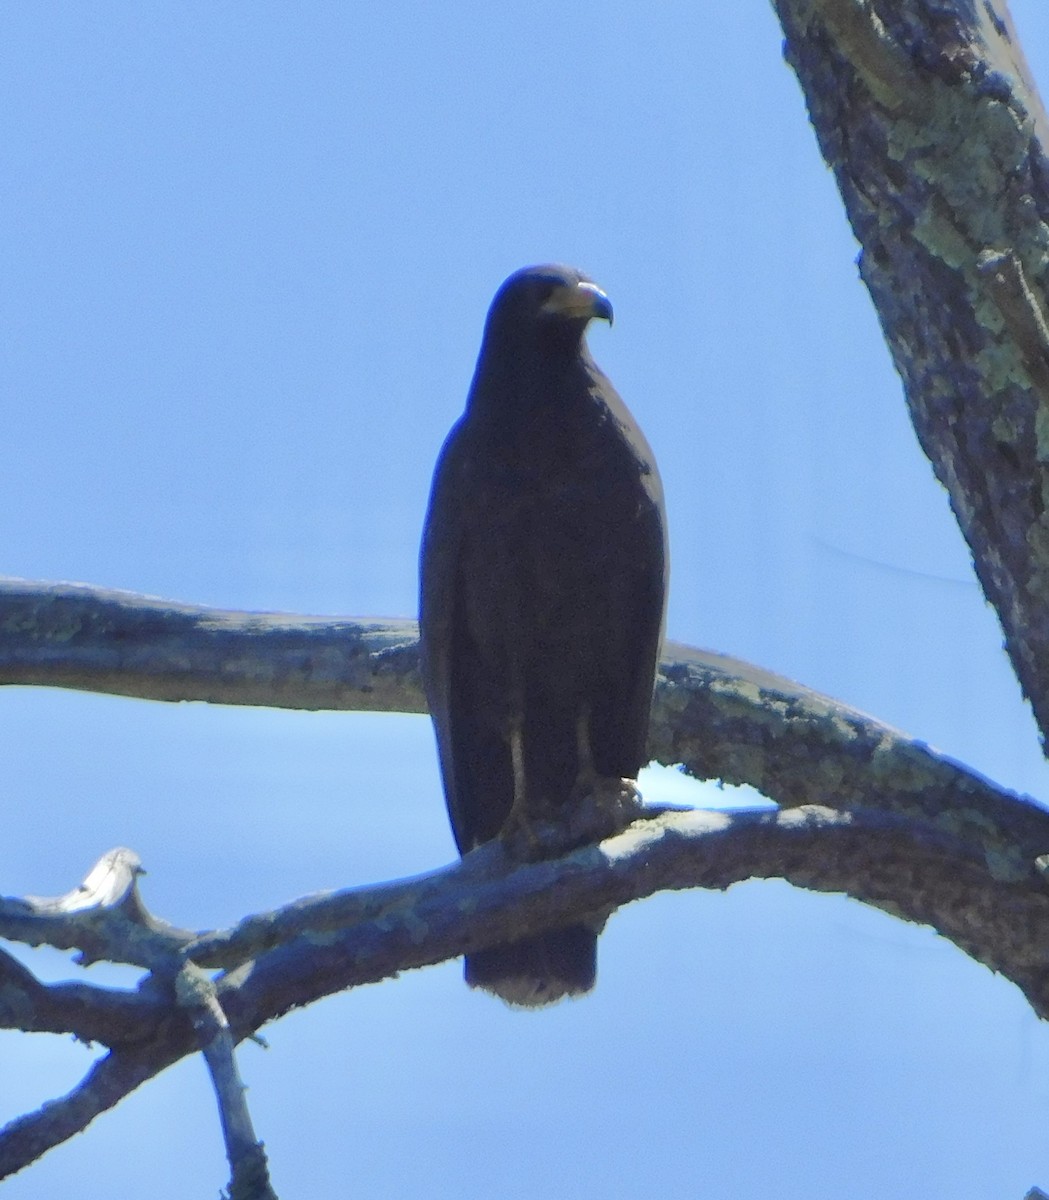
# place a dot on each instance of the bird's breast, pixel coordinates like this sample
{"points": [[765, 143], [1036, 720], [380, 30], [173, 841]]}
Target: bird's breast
{"points": [[557, 478], [560, 514]]}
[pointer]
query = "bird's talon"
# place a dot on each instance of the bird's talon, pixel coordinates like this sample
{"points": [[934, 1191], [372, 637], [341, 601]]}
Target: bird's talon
{"points": [[603, 806], [520, 836]]}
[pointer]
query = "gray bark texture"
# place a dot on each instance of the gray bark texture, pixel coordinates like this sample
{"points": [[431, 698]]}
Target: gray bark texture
{"points": [[926, 113], [928, 116]]}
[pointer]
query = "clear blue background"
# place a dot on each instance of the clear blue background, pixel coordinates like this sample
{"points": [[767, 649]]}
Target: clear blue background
{"points": [[245, 255]]}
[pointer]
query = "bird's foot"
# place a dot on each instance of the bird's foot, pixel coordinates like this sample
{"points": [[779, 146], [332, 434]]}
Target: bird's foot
{"points": [[544, 833], [525, 837], [601, 806]]}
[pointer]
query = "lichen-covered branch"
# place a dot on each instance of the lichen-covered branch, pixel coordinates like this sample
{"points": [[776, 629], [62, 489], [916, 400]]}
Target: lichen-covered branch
{"points": [[725, 719], [97, 640], [914, 871], [933, 126], [719, 717], [324, 944]]}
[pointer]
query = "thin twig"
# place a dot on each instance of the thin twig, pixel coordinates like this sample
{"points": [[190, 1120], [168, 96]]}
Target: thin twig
{"points": [[249, 1172]]}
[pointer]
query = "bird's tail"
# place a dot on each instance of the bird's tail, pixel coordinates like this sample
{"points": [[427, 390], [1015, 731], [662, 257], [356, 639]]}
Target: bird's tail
{"points": [[537, 970]]}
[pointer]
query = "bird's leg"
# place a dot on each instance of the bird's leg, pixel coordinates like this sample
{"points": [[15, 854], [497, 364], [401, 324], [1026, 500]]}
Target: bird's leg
{"points": [[586, 773], [517, 759], [601, 804], [517, 833]]}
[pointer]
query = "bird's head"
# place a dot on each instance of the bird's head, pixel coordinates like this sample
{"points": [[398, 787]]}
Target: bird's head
{"points": [[548, 304]]}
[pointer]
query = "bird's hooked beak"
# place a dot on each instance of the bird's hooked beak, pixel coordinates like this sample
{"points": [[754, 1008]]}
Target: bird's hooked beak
{"points": [[582, 300]]}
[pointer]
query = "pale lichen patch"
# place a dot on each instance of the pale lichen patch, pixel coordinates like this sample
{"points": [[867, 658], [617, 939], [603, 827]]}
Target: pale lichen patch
{"points": [[646, 833]]}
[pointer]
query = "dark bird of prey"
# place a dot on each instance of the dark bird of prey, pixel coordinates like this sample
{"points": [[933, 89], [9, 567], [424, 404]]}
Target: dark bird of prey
{"points": [[544, 573]]}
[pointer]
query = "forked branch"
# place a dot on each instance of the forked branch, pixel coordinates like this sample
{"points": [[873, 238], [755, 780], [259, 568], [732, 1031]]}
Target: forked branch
{"points": [[324, 944]]}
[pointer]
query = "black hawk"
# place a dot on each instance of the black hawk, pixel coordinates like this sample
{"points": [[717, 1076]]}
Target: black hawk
{"points": [[544, 571]]}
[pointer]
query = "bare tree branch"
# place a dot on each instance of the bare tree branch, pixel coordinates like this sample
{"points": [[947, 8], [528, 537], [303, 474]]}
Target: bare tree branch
{"points": [[719, 717], [89, 1013], [103, 918], [912, 869], [249, 1171], [110, 1079], [725, 719], [96, 640]]}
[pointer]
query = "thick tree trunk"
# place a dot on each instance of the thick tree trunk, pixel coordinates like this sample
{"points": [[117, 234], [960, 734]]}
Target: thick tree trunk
{"points": [[934, 129]]}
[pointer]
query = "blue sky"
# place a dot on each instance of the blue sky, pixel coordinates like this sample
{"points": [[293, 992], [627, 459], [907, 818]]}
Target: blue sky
{"points": [[246, 256]]}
